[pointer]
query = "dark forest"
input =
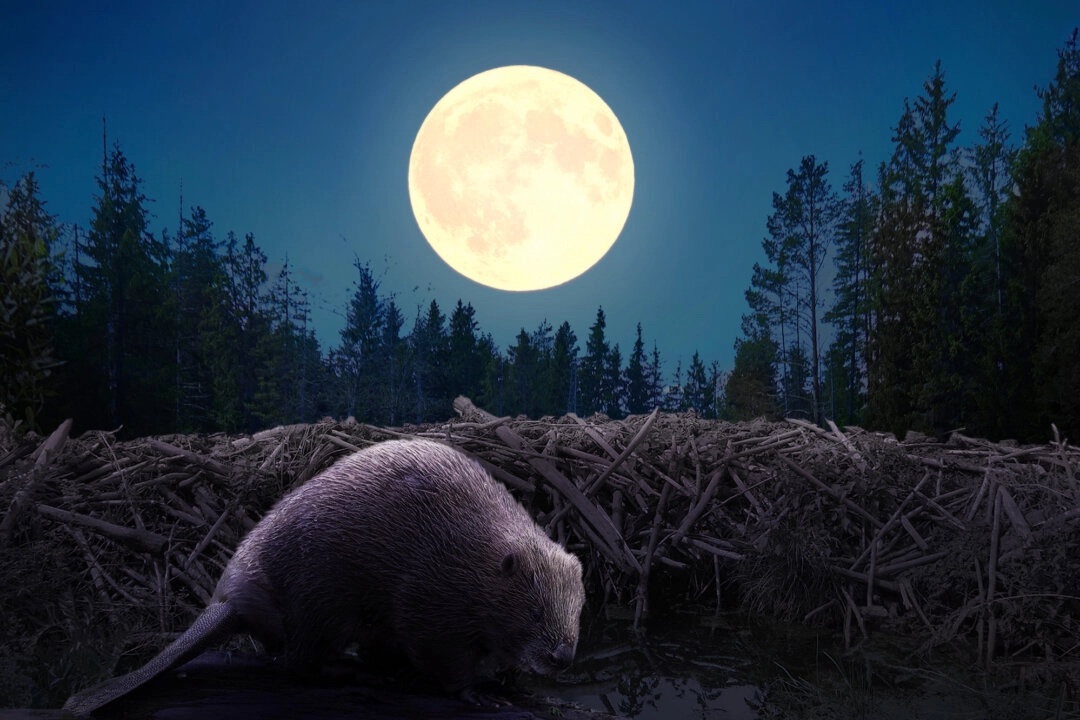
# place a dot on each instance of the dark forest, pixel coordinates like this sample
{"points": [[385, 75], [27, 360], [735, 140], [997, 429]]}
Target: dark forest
{"points": [[936, 292]]}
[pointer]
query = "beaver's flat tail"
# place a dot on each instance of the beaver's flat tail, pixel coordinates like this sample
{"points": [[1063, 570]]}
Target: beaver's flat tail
{"points": [[217, 621]]}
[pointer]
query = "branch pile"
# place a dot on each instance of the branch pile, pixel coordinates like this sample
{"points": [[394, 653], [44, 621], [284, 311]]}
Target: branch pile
{"points": [[105, 546]]}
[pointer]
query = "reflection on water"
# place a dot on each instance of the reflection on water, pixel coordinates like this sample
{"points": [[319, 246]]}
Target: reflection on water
{"points": [[683, 670], [657, 697], [705, 667]]}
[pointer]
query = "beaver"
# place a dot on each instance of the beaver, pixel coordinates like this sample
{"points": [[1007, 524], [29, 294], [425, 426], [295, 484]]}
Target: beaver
{"points": [[407, 544]]}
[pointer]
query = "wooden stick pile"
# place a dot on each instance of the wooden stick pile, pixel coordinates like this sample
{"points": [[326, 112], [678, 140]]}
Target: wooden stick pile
{"points": [[104, 542]]}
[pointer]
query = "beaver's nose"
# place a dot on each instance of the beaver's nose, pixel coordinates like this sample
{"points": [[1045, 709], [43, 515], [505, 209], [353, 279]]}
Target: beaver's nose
{"points": [[563, 656]]}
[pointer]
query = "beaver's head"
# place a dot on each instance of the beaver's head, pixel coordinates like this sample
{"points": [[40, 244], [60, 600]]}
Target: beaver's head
{"points": [[540, 607]]}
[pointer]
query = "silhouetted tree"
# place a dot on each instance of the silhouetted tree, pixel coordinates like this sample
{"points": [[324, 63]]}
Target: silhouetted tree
{"points": [[431, 351], [564, 362], [125, 375], [908, 358], [593, 392], [850, 313], [357, 358], [1043, 258], [637, 387], [802, 226], [751, 387], [28, 302]]}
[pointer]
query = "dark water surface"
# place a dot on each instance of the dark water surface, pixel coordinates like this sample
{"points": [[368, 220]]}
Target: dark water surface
{"points": [[697, 666], [685, 669], [708, 667]]}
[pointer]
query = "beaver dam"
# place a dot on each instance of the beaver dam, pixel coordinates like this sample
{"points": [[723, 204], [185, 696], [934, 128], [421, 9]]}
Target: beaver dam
{"points": [[107, 548]]}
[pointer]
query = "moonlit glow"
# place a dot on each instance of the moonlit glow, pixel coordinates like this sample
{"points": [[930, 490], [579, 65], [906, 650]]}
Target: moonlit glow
{"points": [[521, 178]]}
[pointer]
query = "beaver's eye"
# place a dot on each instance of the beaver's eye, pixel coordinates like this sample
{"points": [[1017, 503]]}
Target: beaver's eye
{"points": [[538, 613]]}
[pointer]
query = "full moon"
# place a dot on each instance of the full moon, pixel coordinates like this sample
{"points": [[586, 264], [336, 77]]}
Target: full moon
{"points": [[521, 178]]}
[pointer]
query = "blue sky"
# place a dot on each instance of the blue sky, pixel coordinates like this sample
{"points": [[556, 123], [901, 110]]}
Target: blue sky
{"points": [[294, 121]]}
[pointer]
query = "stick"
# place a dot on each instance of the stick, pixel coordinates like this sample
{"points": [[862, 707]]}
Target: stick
{"points": [[897, 515], [142, 540], [1015, 516], [206, 539], [641, 606], [617, 551], [860, 462], [634, 442], [991, 579], [25, 496], [831, 492], [746, 491], [699, 506]]}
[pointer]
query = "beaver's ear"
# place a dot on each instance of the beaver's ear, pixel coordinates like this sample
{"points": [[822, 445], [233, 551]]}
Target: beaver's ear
{"points": [[510, 563]]}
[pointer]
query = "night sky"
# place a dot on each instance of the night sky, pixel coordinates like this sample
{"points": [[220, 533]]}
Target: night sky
{"points": [[294, 121]]}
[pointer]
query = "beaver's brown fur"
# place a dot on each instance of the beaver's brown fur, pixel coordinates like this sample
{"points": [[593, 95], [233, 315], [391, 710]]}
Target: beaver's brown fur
{"points": [[409, 544]]}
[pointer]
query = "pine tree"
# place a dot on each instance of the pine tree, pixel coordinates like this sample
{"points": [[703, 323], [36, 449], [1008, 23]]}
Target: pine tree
{"points": [[613, 384], [797, 382], [714, 391], [1043, 259], [491, 377], [125, 377], [239, 347], [431, 350], [850, 313], [564, 363], [801, 226], [544, 399], [592, 376], [654, 379], [358, 355], [637, 389], [196, 272], [917, 250], [286, 387], [991, 176], [28, 303], [396, 356], [464, 368], [696, 390], [751, 387], [673, 392], [521, 374]]}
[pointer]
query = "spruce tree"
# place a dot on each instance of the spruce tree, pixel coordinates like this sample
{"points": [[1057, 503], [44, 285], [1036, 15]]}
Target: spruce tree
{"points": [[637, 388], [696, 389], [357, 357], [197, 284], [521, 369], [564, 365], [592, 375], [1043, 258], [125, 377], [28, 303], [918, 250], [751, 387], [431, 350], [464, 367], [613, 384], [850, 312]]}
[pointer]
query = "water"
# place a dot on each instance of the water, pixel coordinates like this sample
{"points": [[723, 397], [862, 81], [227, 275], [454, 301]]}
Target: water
{"points": [[693, 669], [708, 667]]}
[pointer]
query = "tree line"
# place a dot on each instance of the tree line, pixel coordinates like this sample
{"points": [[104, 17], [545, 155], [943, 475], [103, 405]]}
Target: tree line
{"points": [[954, 279], [938, 293], [186, 332]]}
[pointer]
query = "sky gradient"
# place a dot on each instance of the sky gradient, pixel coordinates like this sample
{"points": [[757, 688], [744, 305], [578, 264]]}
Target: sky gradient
{"points": [[295, 122]]}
